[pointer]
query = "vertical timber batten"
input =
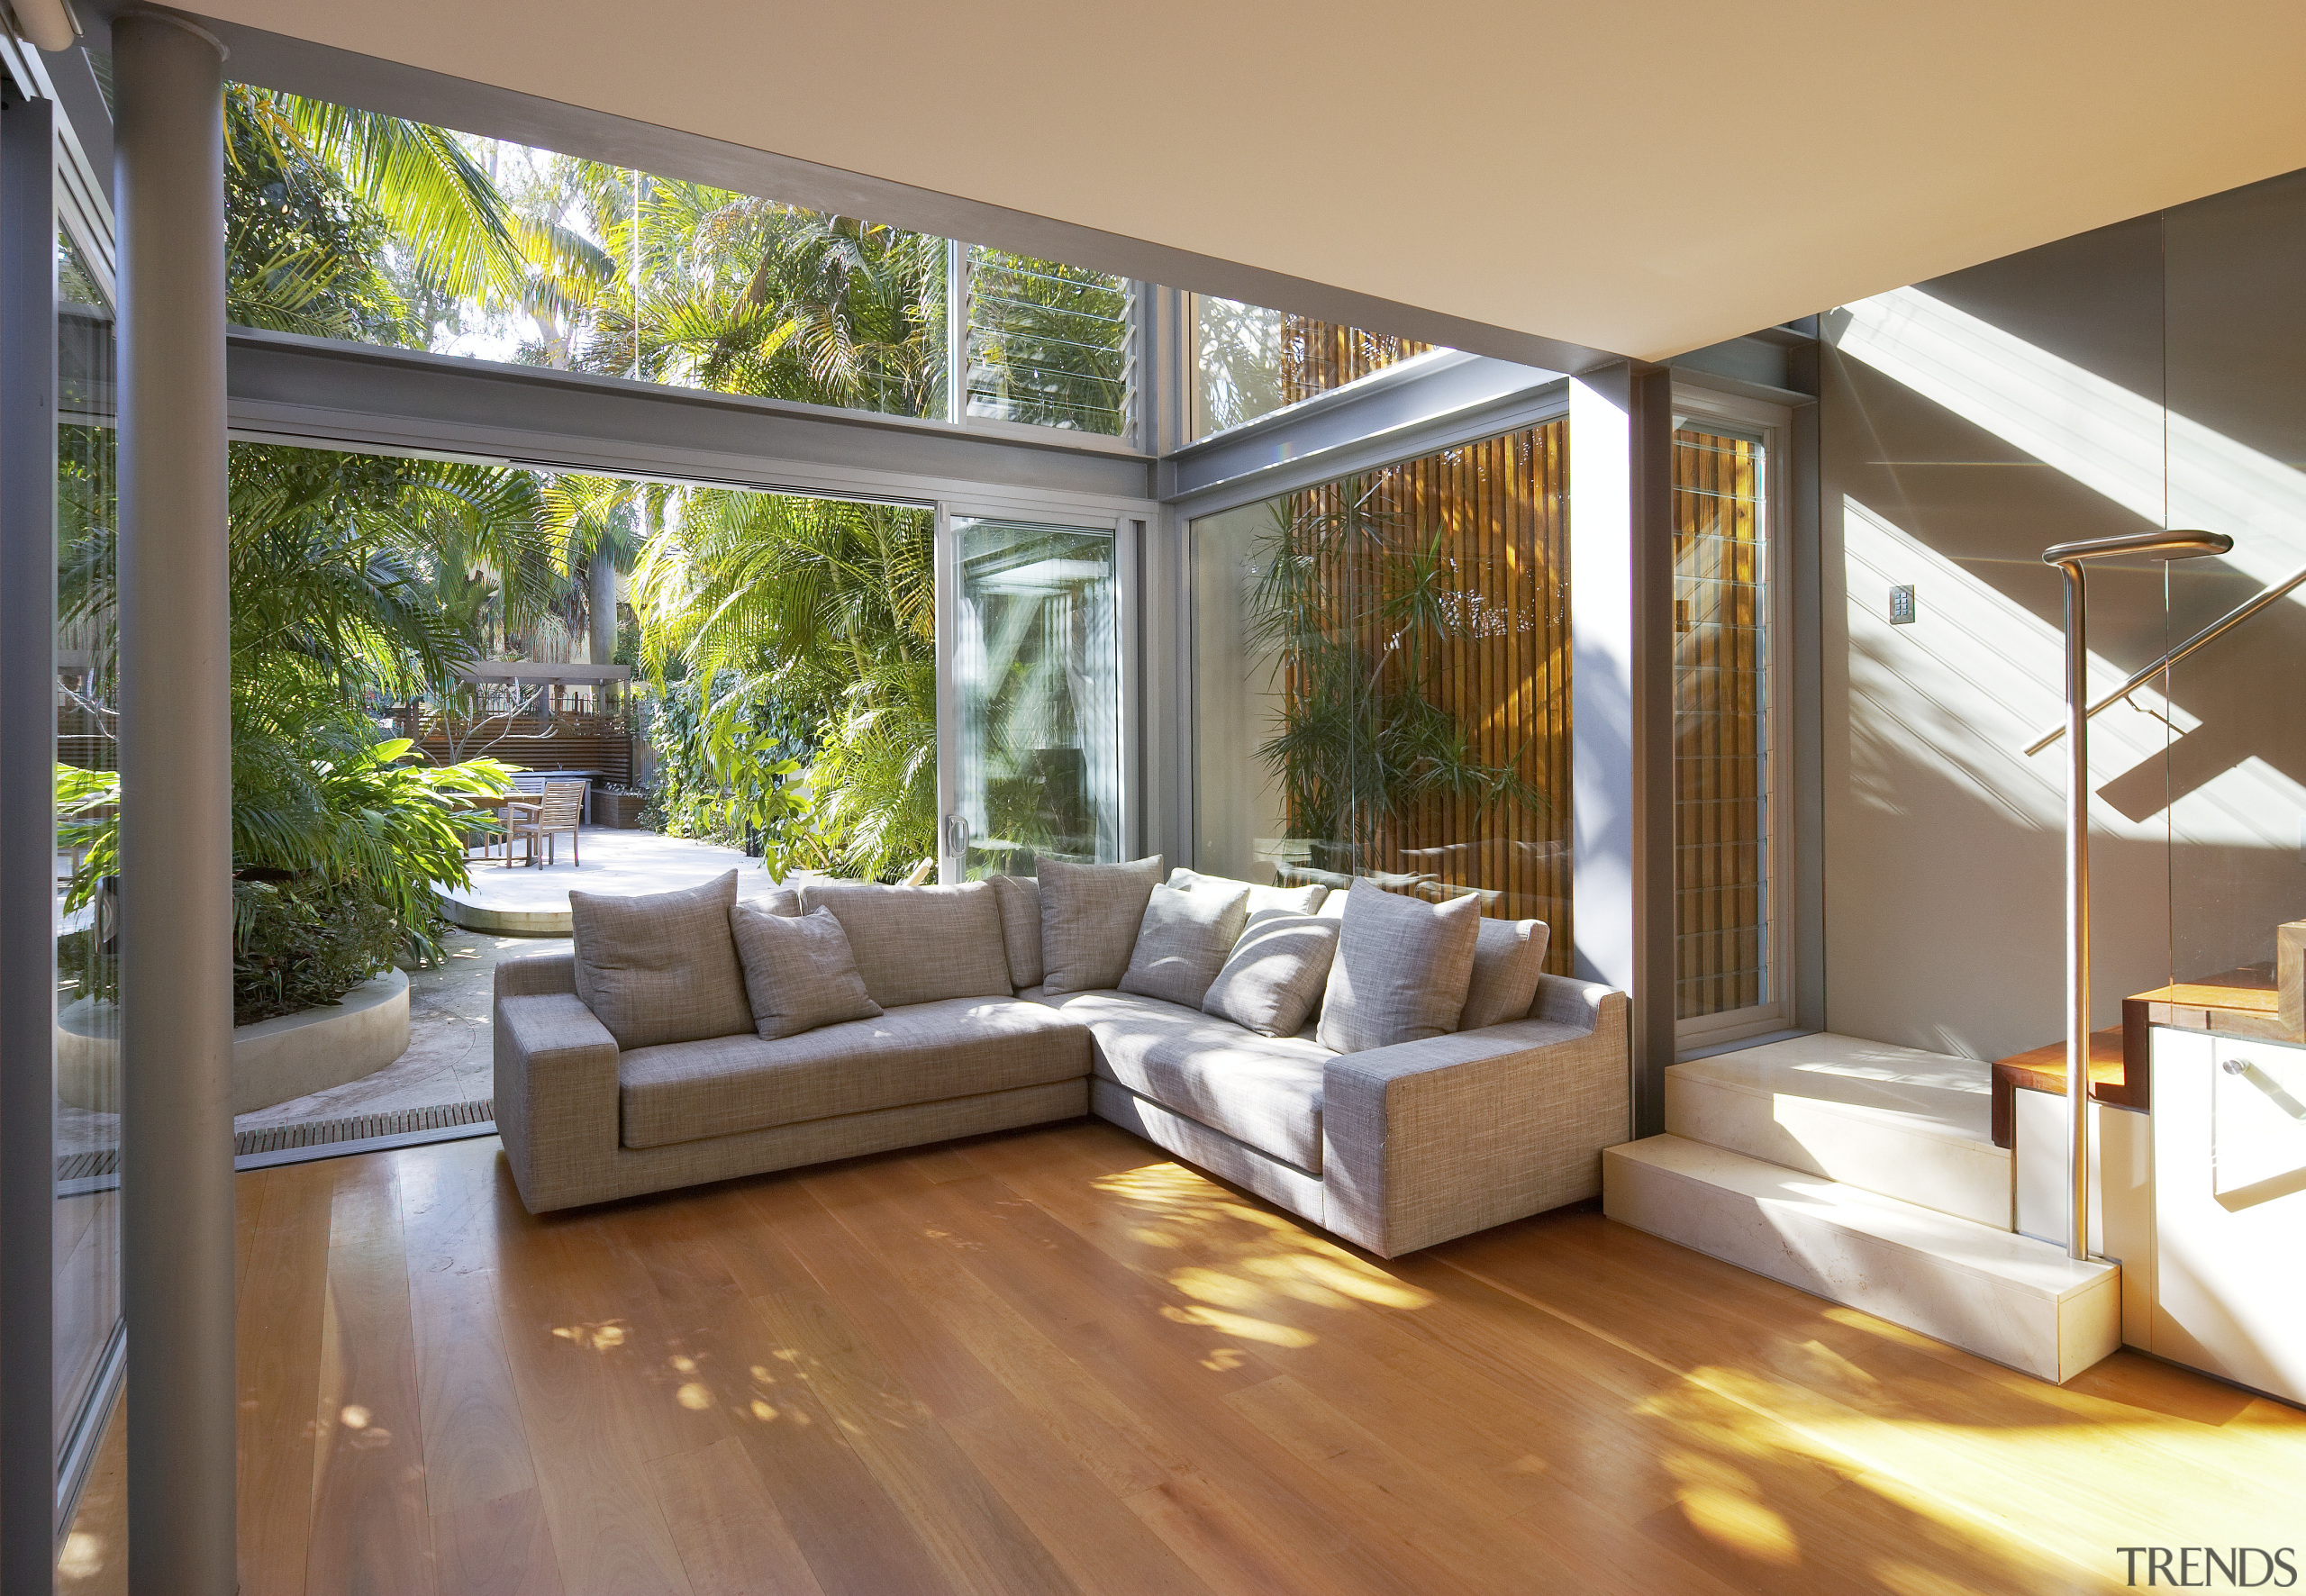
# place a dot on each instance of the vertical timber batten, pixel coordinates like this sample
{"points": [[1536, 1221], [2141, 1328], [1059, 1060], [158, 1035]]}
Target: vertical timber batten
{"points": [[175, 807]]}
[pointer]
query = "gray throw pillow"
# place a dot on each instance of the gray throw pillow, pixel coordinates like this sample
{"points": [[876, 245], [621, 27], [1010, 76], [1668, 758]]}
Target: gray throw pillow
{"points": [[774, 900], [1089, 919], [918, 944], [1275, 973], [1509, 956], [1020, 900], [661, 968], [1263, 900], [1401, 969], [799, 972], [1183, 937]]}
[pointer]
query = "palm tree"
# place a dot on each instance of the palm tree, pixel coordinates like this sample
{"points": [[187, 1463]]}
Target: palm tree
{"points": [[823, 612]]}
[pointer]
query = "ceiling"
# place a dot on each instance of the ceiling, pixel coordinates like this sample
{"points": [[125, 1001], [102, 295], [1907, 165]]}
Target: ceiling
{"points": [[1638, 177]]}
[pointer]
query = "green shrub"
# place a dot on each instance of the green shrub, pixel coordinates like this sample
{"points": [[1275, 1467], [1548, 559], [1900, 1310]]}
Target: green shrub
{"points": [[301, 944]]}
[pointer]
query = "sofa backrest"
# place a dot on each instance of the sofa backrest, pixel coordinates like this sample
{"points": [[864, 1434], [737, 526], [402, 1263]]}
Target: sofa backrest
{"points": [[919, 944]]}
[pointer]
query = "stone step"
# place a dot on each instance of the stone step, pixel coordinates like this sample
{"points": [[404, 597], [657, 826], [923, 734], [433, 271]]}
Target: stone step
{"points": [[1896, 1122], [2020, 1302]]}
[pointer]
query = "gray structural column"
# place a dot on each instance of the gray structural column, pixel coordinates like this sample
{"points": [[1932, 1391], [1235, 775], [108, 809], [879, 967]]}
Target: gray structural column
{"points": [[1621, 762], [27, 843], [176, 844]]}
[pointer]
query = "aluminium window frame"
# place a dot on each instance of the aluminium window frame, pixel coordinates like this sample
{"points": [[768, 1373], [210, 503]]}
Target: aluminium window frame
{"points": [[1129, 525], [1189, 379], [1544, 399], [1696, 401]]}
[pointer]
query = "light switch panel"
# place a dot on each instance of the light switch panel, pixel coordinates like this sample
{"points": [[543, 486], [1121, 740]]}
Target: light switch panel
{"points": [[1901, 605]]}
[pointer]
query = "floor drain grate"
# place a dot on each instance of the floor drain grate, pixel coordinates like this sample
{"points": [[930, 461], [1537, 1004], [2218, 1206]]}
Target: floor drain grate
{"points": [[102, 1164], [315, 1133]]}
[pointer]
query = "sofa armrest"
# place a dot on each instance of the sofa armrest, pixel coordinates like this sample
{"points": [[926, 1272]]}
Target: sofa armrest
{"points": [[1427, 1140], [1567, 1001], [556, 1097], [537, 976]]}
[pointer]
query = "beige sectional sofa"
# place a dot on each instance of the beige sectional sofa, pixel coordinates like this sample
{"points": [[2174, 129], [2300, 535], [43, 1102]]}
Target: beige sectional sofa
{"points": [[1391, 1148]]}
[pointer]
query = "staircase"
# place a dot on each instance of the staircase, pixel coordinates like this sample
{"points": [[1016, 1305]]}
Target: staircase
{"points": [[1866, 1174]]}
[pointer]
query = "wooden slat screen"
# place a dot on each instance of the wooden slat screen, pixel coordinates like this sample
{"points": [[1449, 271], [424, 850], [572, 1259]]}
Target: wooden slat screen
{"points": [[1319, 355], [1476, 539], [565, 742], [1720, 779]]}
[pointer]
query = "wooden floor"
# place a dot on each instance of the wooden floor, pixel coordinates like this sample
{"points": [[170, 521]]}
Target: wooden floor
{"points": [[1057, 1361]]}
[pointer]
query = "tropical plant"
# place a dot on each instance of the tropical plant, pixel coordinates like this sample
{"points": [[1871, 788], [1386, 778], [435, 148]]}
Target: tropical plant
{"points": [[318, 195], [304, 944], [729, 772], [1352, 605], [816, 620]]}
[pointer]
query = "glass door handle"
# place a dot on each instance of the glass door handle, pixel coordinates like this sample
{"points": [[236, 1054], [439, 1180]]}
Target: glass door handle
{"points": [[956, 838]]}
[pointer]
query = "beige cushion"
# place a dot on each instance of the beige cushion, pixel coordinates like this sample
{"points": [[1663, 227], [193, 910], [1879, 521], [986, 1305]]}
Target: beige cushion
{"points": [[1182, 940], [1509, 956], [928, 1052], [1276, 973], [661, 968], [919, 944], [799, 972], [1020, 900], [1401, 969], [1262, 1090], [1289, 900], [1089, 919]]}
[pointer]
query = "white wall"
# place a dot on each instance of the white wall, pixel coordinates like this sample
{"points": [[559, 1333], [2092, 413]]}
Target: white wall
{"points": [[1966, 424]]}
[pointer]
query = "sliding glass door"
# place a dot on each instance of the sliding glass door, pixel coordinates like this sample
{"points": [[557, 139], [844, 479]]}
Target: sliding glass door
{"points": [[1031, 656]]}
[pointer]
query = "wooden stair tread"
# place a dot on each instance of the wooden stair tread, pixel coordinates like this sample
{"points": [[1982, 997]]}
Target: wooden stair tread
{"points": [[2202, 994], [2243, 1002]]}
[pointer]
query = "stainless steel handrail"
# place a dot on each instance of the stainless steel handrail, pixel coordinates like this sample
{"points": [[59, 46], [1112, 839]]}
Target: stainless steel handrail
{"points": [[2207, 634], [2069, 558]]}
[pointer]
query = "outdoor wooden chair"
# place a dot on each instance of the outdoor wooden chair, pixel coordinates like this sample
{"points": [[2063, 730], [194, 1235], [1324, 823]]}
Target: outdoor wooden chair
{"points": [[561, 808]]}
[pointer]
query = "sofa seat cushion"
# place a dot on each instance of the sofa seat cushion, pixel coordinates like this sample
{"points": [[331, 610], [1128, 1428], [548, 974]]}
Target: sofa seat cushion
{"points": [[919, 1053], [1262, 1090]]}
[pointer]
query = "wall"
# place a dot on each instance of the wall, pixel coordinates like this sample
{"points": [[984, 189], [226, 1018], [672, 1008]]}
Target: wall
{"points": [[2139, 376]]}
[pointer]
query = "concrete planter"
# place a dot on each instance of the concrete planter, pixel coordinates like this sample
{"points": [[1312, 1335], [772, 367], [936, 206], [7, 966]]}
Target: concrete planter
{"points": [[273, 1060]]}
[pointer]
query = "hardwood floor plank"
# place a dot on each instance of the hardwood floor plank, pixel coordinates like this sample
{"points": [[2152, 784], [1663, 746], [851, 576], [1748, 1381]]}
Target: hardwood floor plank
{"points": [[1033, 1375], [247, 1211], [498, 1548], [1466, 1549], [277, 1332], [608, 1536], [1104, 1549], [371, 1528], [978, 1543], [854, 1539], [1126, 1335], [734, 1541], [475, 1447]]}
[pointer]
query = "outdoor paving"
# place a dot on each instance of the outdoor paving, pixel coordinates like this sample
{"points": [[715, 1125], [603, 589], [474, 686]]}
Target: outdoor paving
{"points": [[533, 899], [451, 1045]]}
